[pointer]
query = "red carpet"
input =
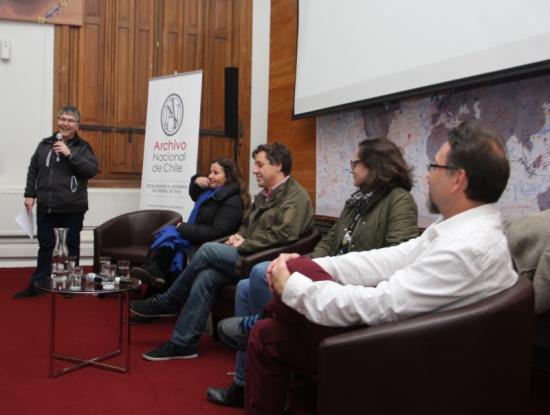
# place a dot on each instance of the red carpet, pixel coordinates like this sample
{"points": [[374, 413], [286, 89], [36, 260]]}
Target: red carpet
{"points": [[86, 326]]}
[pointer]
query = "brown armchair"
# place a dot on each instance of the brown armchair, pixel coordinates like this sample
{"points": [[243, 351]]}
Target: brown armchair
{"points": [[128, 236], [225, 301], [472, 360]]}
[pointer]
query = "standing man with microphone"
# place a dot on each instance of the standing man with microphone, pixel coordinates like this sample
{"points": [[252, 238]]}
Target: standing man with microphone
{"points": [[57, 179]]}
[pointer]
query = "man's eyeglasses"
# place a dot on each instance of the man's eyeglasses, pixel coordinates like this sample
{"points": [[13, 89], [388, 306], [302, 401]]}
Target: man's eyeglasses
{"points": [[354, 163], [67, 120], [432, 166]]}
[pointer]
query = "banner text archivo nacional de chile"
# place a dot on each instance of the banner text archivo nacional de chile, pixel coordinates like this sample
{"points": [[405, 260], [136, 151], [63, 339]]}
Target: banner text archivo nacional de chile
{"points": [[171, 142]]}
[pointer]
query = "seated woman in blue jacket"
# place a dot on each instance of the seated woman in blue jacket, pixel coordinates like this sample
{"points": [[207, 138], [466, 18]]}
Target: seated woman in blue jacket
{"points": [[220, 199]]}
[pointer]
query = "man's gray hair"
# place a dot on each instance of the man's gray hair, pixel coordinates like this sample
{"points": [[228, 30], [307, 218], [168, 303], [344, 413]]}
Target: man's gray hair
{"points": [[70, 109]]}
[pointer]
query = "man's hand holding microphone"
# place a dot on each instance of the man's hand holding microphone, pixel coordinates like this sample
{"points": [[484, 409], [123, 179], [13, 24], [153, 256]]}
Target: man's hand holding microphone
{"points": [[59, 146]]}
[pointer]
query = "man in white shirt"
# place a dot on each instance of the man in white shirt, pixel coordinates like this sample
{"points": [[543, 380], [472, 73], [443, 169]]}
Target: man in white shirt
{"points": [[460, 259]]}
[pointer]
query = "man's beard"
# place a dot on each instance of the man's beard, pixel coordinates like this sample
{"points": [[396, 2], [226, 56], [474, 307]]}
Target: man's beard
{"points": [[431, 205]]}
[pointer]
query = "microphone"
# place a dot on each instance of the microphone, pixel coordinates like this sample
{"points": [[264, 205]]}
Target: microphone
{"points": [[58, 137]]}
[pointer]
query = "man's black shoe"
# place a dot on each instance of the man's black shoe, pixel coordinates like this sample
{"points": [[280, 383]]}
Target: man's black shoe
{"points": [[151, 307], [169, 351], [232, 396], [28, 293], [143, 275], [139, 320]]}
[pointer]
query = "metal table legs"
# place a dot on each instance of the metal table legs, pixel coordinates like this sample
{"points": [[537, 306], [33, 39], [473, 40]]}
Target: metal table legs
{"points": [[123, 342]]}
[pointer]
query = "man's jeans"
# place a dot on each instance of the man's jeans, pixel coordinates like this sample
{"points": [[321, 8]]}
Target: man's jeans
{"points": [[251, 297], [212, 266]]}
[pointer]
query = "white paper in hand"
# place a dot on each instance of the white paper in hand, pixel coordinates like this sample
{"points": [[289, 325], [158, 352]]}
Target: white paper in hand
{"points": [[24, 220]]}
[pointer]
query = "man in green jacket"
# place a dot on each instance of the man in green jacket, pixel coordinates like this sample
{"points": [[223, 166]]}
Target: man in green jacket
{"points": [[280, 214]]}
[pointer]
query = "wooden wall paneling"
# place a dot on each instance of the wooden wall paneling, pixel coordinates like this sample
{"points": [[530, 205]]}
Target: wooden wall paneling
{"points": [[64, 86], [74, 42], [217, 56], [123, 59], [143, 62], [120, 160], [133, 66], [193, 35], [242, 55], [66, 67], [143, 70], [91, 68], [91, 63], [182, 36], [61, 62], [205, 63], [220, 53], [109, 32], [172, 33], [298, 135]]}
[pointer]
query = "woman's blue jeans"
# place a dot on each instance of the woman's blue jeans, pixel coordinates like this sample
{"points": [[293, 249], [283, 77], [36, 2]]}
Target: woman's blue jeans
{"points": [[251, 297]]}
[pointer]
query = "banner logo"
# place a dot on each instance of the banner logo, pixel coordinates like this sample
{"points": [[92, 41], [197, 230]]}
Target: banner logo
{"points": [[171, 114]]}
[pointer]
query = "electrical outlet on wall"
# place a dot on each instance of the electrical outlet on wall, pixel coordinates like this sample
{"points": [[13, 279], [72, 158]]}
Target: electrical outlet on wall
{"points": [[5, 50]]}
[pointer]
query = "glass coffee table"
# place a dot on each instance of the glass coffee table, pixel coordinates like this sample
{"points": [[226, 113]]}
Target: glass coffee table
{"points": [[61, 286]]}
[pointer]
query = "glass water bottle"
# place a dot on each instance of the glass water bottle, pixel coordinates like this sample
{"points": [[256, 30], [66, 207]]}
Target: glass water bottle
{"points": [[60, 256]]}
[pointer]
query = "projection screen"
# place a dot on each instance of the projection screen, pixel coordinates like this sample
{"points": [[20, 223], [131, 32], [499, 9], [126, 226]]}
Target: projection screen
{"points": [[356, 52]]}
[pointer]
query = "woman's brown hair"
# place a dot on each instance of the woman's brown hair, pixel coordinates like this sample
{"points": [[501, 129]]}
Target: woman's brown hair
{"points": [[233, 175], [386, 164]]}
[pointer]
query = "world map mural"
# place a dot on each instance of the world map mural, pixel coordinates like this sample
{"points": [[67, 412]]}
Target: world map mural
{"points": [[519, 111]]}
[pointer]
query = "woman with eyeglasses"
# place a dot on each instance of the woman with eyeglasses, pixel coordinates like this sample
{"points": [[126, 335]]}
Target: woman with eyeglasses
{"points": [[381, 213]]}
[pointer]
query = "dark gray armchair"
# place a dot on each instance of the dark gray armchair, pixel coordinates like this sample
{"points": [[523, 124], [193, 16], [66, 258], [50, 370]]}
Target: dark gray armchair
{"points": [[472, 360], [128, 236]]}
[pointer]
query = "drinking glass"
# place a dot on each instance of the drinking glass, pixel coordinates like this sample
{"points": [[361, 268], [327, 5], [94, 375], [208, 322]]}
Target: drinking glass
{"points": [[106, 269], [104, 260], [75, 278], [108, 273], [124, 269], [59, 272], [71, 263]]}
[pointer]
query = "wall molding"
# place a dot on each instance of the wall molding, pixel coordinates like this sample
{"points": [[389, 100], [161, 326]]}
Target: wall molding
{"points": [[19, 251]]}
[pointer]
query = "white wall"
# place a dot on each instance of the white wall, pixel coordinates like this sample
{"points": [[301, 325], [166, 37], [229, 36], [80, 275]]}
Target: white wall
{"points": [[26, 94]]}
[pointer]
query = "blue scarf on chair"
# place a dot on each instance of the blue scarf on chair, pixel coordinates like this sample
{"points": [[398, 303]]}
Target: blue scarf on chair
{"points": [[169, 236]]}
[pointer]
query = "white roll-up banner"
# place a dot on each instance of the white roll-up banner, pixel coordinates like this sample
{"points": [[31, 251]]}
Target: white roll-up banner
{"points": [[171, 142]]}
